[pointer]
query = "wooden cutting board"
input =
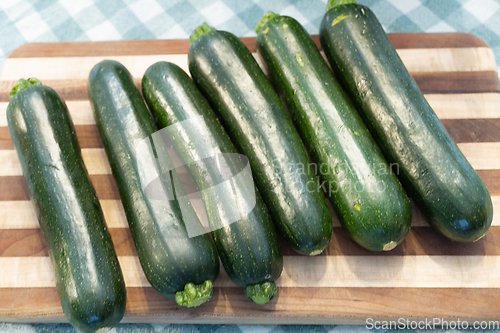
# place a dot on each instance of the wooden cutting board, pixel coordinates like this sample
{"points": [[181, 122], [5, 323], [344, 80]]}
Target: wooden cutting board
{"points": [[426, 276]]}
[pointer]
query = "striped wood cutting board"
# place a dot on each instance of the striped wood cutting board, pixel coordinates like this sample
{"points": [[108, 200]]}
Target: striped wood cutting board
{"points": [[426, 276]]}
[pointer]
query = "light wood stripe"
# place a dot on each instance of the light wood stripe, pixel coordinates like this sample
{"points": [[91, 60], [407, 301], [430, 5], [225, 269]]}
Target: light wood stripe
{"points": [[446, 106], [21, 214], [94, 158], [78, 68], [306, 272], [445, 60], [465, 106], [481, 155], [415, 60], [37, 272], [399, 272], [420, 241]]}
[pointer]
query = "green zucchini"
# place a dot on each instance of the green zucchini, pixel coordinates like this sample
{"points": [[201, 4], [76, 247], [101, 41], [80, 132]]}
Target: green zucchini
{"points": [[249, 248], [178, 266], [257, 122], [88, 277], [366, 195], [432, 168]]}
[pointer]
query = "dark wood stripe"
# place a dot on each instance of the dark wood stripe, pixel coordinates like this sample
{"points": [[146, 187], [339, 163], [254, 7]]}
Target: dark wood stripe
{"points": [[461, 130], [420, 40], [88, 137], [358, 304], [30, 243], [491, 179], [180, 46], [13, 188], [429, 83], [5, 140], [457, 82], [230, 306], [420, 241], [473, 130]]}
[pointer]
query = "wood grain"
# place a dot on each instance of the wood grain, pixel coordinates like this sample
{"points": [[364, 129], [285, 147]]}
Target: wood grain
{"points": [[465, 106], [415, 271], [420, 241], [426, 276], [21, 215], [491, 179], [447, 106], [461, 131], [479, 156], [457, 82], [105, 187], [88, 137], [478, 59], [473, 130], [179, 46], [229, 305]]}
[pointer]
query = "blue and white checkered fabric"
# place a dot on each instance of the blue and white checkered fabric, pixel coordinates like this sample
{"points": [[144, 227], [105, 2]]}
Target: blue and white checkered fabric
{"points": [[25, 21]]}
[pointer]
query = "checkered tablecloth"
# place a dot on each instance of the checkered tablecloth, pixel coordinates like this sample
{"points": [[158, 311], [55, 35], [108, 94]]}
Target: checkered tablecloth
{"points": [[25, 21]]}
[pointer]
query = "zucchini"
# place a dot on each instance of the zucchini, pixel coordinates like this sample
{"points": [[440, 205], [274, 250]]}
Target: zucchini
{"points": [[366, 195], [432, 168], [178, 266], [257, 122], [88, 277], [249, 248]]}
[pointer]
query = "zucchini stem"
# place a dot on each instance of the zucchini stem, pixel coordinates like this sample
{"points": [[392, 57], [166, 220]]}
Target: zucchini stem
{"points": [[263, 20], [23, 84], [261, 293], [333, 3], [200, 30], [194, 295]]}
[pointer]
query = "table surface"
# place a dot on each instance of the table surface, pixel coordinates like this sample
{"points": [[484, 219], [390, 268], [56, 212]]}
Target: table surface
{"points": [[66, 20]]}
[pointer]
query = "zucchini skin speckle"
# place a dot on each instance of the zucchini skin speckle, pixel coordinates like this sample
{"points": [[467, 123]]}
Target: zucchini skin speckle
{"points": [[368, 198], [433, 170], [88, 277], [257, 122], [169, 258]]}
